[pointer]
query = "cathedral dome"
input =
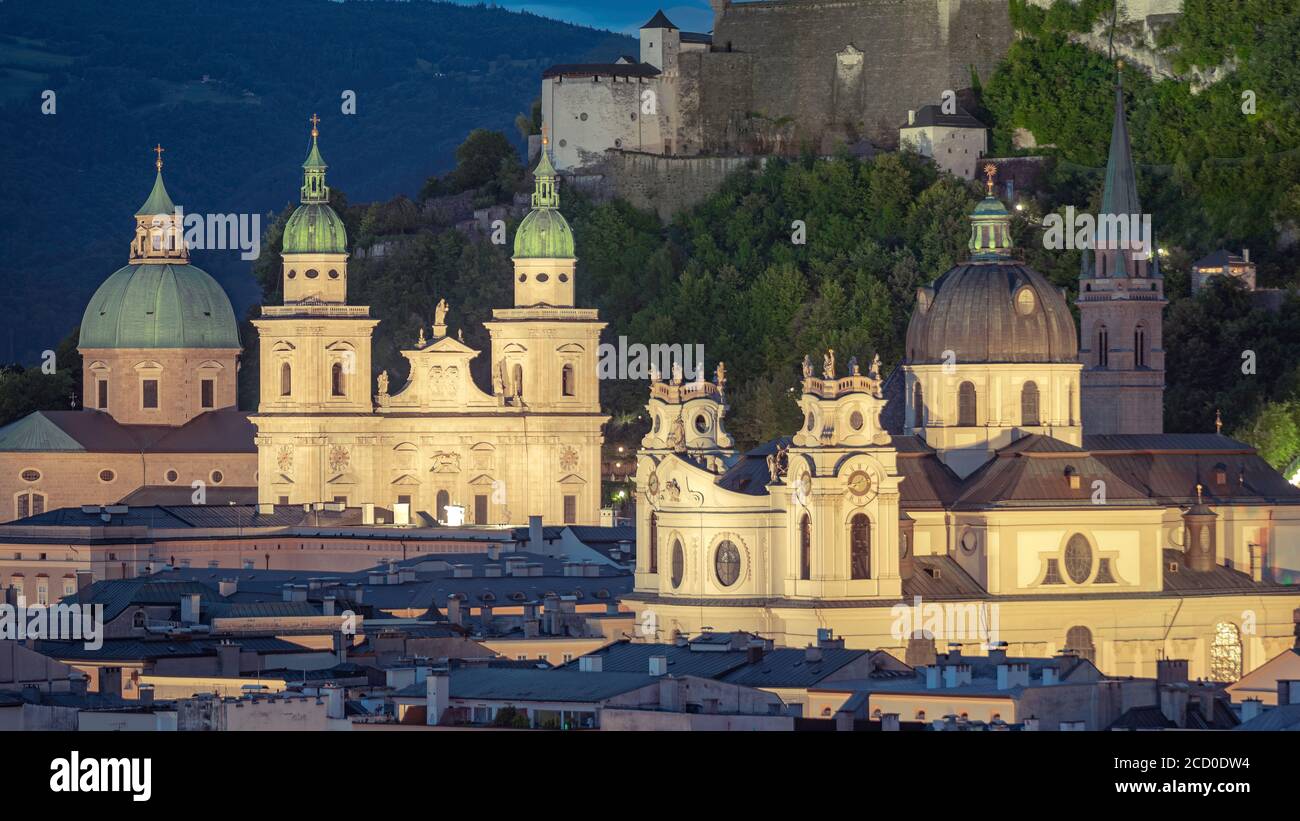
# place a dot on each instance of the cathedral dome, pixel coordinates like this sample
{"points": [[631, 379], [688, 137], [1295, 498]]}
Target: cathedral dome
{"points": [[315, 228], [991, 308], [991, 312], [159, 306]]}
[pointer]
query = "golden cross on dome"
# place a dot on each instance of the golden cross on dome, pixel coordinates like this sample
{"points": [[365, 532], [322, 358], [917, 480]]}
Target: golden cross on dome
{"points": [[990, 172], [158, 149], [314, 122]]}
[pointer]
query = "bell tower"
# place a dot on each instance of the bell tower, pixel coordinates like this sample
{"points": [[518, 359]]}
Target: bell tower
{"points": [[1121, 301]]}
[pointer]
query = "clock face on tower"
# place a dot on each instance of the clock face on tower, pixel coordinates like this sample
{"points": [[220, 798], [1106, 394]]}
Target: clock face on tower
{"points": [[859, 483]]}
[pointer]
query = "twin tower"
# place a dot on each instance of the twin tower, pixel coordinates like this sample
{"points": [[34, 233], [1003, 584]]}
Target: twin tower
{"points": [[437, 448]]}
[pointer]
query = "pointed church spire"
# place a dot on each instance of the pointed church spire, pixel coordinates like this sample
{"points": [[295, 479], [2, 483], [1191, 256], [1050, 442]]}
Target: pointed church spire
{"points": [[314, 188], [1120, 196], [159, 202]]}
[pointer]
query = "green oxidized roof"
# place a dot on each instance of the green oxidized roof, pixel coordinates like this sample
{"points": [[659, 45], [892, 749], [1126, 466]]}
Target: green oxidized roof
{"points": [[314, 228], [159, 306], [159, 202], [544, 233], [990, 230], [35, 432]]}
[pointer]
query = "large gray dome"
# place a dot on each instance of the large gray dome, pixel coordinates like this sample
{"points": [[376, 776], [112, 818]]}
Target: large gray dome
{"points": [[987, 312]]}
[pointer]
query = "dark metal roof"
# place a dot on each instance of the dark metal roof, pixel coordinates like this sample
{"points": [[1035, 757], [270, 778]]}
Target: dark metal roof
{"points": [[973, 315], [1220, 258], [142, 649], [940, 577], [659, 21], [932, 115], [1219, 579], [222, 431], [626, 657], [601, 70], [789, 667], [562, 685]]}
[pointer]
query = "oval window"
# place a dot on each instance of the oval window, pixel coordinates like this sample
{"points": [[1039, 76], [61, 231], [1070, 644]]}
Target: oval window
{"points": [[1078, 559], [542, 277], [855, 420], [107, 476], [31, 475], [679, 563], [811, 422], [564, 277], [216, 477], [656, 426], [523, 277], [702, 423], [312, 274], [334, 274], [1025, 301], [726, 563]]}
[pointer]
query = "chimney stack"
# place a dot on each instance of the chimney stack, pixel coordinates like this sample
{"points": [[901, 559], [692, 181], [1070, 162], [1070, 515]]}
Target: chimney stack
{"points": [[228, 587], [1171, 671], [190, 608], [145, 695], [889, 723], [437, 690], [228, 659], [110, 681], [1250, 708], [535, 543]]}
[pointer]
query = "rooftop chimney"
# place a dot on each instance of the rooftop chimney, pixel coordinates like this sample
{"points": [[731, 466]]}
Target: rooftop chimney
{"points": [[889, 722], [1050, 675], [1250, 708], [535, 534], [190, 608], [110, 681], [1171, 671], [911, 116], [1013, 675], [812, 654], [228, 659], [437, 689], [228, 587], [998, 652], [658, 665], [145, 694], [455, 612]]}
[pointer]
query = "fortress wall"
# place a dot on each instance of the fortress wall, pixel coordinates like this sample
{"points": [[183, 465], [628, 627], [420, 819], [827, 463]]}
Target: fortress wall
{"points": [[667, 185], [803, 66], [1130, 10]]}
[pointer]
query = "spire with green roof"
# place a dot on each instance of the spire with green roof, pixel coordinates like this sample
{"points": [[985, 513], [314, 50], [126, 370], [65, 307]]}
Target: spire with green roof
{"points": [[544, 233], [159, 202], [314, 227]]}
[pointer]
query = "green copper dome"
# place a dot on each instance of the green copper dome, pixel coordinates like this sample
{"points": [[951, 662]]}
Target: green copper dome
{"points": [[315, 228], [159, 306], [544, 233], [159, 202]]}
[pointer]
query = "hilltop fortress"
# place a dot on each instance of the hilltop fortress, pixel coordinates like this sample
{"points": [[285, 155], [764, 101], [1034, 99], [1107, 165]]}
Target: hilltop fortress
{"points": [[773, 75]]}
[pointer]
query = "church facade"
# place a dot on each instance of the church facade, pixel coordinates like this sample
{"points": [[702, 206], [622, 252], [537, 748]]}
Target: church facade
{"points": [[972, 497], [327, 433]]}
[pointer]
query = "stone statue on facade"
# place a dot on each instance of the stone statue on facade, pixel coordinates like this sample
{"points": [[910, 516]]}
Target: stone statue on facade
{"points": [[807, 367], [677, 373], [854, 370], [421, 341], [655, 376], [383, 383], [828, 364], [440, 314], [720, 376], [677, 435]]}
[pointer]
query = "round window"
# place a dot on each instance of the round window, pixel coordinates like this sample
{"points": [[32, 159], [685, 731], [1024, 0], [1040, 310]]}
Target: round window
{"points": [[172, 476], [679, 563], [293, 274], [31, 475], [726, 563], [334, 274], [563, 143], [855, 420], [564, 277], [312, 274], [216, 477], [702, 423], [107, 476], [542, 277], [583, 116]]}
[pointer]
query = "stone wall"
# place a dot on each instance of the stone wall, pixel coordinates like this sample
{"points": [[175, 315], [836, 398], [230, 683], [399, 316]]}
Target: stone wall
{"points": [[665, 185], [850, 67]]}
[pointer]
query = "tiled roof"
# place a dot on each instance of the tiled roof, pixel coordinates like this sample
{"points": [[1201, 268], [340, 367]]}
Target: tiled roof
{"points": [[1036, 474], [932, 115], [1185, 581], [940, 577]]}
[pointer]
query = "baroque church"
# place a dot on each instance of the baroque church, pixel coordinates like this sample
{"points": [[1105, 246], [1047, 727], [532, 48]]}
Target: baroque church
{"points": [[1009, 481], [161, 350], [327, 433]]}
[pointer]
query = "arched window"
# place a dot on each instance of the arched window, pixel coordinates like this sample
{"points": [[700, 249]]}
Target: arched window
{"points": [[1140, 346], [918, 405], [654, 542], [568, 385], [860, 546], [1225, 653], [679, 564], [286, 379], [337, 385], [805, 547], [966, 405], [443, 499], [1078, 559], [1103, 347], [1029, 405], [1079, 640]]}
